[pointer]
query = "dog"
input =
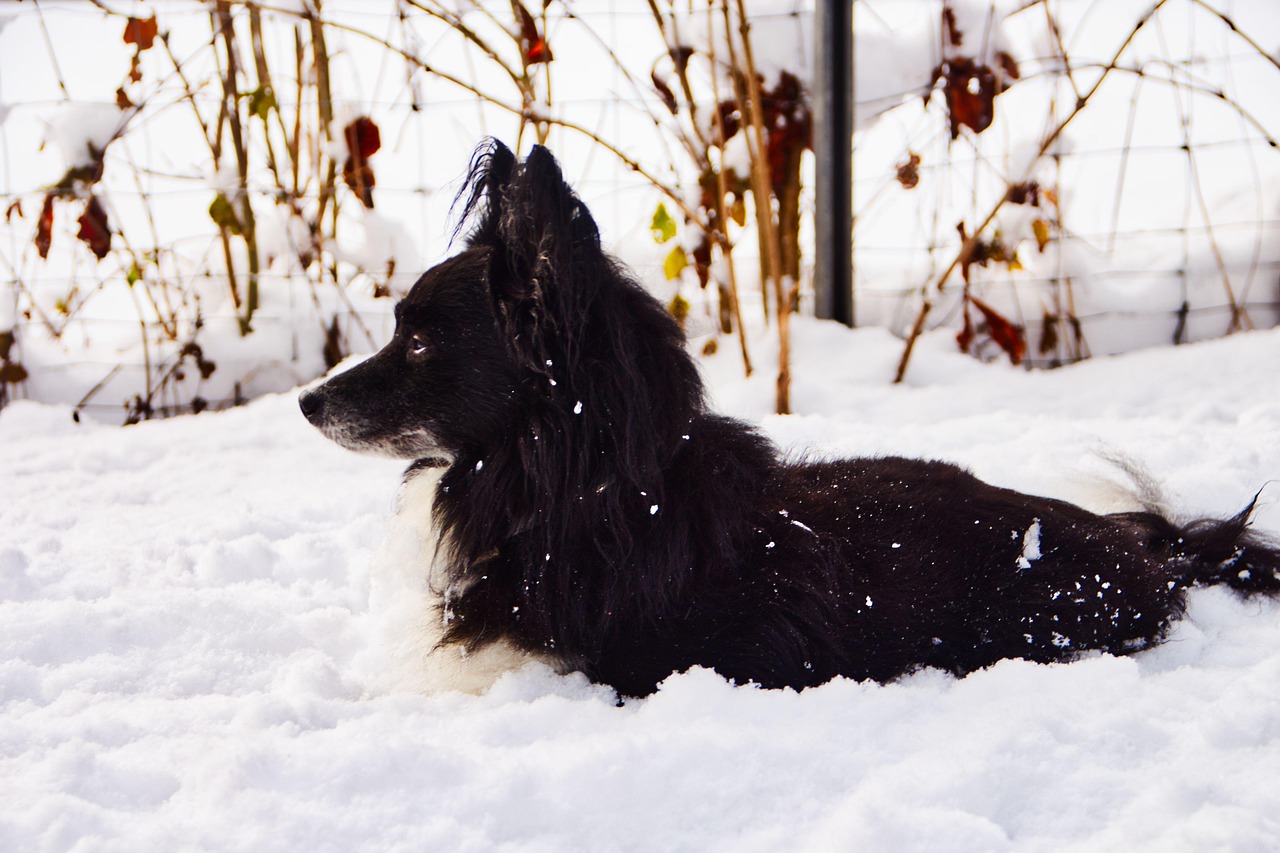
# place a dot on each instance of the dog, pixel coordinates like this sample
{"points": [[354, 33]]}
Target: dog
{"points": [[584, 507]]}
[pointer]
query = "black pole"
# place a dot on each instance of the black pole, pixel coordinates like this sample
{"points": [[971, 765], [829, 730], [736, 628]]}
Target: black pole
{"points": [[833, 149]]}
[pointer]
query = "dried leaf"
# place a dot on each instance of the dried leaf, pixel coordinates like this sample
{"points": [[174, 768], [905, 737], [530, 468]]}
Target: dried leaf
{"points": [[664, 92], [662, 226], [533, 46], [675, 262], [1027, 192], [363, 141], [1009, 66], [141, 33], [909, 172], [361, 180], [44, 227], [94, 231], [1008, 336], [954, 36], [730, 118], [1041, 229], [788, 122], [738, 210], [362, 136], [679, 309], [970, 90], [1048, 334], [193, 351], [122, 99], [680, 56], [224, 215], [702, 261], [15, 208], [11, 373]]}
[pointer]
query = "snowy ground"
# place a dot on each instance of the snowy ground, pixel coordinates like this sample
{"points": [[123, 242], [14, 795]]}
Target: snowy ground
{"points": [[184, 650]]}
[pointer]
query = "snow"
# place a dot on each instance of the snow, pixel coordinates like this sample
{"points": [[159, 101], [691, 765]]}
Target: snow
{"points": [[193, 615]]}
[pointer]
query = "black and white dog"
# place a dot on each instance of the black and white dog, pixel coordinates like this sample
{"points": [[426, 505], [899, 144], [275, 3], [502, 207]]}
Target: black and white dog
{"points": [[589, 511]]}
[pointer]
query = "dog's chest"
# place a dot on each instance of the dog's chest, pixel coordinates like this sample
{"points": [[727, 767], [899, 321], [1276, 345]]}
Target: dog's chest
{"points": [[414, 504]]}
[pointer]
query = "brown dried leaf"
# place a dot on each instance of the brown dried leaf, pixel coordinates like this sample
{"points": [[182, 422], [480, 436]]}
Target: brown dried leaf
{"points": [[363, 138], [11, 373], [533, 46], [94, 231], [702, 261], [950, 28], [1048, 334], [1027, 192], [664, 92], [363, 141], [909, 172], [44, 227], [1008, 336], [141, 33], [970, 90], [1009, 66]]}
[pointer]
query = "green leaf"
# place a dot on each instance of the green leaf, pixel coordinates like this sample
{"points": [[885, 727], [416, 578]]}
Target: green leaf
{"points": [[223, 214], [663, 226], [676, 261], [261, 102], [134, 274]]}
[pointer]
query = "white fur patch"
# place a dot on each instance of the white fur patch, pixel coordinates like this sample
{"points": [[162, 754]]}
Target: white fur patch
{"points": [[407, 613], [1030, 546]]}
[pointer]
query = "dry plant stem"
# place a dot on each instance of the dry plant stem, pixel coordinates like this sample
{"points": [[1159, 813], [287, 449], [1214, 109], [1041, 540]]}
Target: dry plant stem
{"points": [[231, 94], [264, 84], [295, 141], [682, 75], [764, 206], [971, 242], [324, 105], [630, 162], [1231, 25], [722, 220], [455, 23]]}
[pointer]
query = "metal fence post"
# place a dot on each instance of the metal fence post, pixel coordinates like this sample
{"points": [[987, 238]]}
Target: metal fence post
{"points": [[833, 149]]}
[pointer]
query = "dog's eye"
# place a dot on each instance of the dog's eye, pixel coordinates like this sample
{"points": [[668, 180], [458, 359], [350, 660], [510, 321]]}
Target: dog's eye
{"points": [[418, 345]]}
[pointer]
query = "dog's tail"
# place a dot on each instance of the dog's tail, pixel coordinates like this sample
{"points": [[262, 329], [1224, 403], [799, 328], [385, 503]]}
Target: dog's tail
{"points": [[1210, 552]]}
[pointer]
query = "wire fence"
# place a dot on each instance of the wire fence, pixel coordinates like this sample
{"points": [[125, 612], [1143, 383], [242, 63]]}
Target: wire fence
{"points": [[208, 201]]}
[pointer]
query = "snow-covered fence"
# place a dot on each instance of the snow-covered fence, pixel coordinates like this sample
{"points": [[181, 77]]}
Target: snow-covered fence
{"points": [[207, 201]]}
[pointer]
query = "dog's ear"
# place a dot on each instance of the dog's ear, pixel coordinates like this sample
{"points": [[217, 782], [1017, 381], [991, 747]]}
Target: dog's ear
{"points": [[544, 249], [492, 166]]}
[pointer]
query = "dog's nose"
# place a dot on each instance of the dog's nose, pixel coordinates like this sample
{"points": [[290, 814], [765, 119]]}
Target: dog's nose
{"points": [[312, 404]]}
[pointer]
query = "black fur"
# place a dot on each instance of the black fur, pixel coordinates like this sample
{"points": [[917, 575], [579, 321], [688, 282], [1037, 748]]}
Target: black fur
{"points": [[594, 510]]}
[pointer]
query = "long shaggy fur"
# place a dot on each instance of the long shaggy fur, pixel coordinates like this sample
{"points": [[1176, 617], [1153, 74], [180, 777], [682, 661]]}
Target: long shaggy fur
{"points": [[594, 512]]}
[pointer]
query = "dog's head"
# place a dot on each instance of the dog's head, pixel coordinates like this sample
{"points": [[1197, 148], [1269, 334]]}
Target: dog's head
{"points": [[472, 337], [443, 380], [532, 330]]}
